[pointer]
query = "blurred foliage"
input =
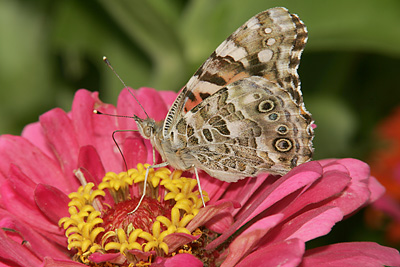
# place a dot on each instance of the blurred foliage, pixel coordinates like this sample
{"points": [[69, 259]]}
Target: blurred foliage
{"points": [[49, 49]]}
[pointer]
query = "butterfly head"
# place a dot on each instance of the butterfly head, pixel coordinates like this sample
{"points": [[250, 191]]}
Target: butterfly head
{"points": [[146, 126]]}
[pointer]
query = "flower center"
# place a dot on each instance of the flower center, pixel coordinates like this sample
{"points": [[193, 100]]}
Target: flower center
{"points": [[102, 231], [143, 218]]}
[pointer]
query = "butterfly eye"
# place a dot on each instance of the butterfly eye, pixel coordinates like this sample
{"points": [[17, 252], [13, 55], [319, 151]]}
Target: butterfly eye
{"points": [[148, 131]]}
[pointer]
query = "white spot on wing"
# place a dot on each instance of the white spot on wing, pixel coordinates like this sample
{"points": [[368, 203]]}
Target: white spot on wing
{"points": [[229, 48], [190, 84], [271, 41], [265, 55], [267, 30], [221, 47], [253, 23]]}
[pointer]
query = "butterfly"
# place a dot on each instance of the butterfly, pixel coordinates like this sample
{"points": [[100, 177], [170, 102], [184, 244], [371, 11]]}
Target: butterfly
{"points": [[242, 113]]}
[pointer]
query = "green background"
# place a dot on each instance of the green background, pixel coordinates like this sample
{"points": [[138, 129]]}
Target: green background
{"points": [[350, 68]]}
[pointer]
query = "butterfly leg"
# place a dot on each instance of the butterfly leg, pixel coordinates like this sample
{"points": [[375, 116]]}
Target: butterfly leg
{"points": [[198, 183], [145, 183], [154, 156]]}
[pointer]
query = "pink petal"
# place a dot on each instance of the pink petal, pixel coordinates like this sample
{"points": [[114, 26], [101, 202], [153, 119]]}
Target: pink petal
{"points": [[141, 255], [38, 244], [34, 133], [351, 199], [22, 184], [334, 166], [28, 158], [214, 187], [98, 257], [307, 226], [297, 178], [49, 262], [221, 222], [177, 240], [96, 130], [16, 253], [15, 202], [150, 97], [168, 97], [60, 133], [326, 162], [243, 190], [247, 240], [178, 260], [150, 100], [330, 185], [135, 151], [208, 213], [352, 254], [285, 254], [90, 164], [25, 211], [127, 106], [359, 191], [7, 223], [377, 190], [313, 224], [2, 177], [358, 170], [92, 128], [52, 202]]}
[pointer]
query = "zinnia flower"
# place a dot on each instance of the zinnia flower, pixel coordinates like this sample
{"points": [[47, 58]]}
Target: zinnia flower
{"points": [[66, 171]]}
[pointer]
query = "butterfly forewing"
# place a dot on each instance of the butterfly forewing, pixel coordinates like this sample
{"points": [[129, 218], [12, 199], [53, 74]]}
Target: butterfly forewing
{"points": [[267, 45]]}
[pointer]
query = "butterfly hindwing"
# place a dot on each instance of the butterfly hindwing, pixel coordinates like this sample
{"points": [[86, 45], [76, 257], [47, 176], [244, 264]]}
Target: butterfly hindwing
{"points": [[246, 128]]}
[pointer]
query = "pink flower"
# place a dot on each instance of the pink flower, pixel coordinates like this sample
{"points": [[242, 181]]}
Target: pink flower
{"points": [[264, 221]]}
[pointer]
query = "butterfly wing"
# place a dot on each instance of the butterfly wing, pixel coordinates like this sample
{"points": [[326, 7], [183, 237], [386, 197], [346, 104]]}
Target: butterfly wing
{"points": [[242, 113], [249, 127], [268, 45]]}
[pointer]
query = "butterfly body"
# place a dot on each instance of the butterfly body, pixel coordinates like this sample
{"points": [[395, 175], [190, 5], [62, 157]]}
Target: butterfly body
{"points": [[242, 113]]}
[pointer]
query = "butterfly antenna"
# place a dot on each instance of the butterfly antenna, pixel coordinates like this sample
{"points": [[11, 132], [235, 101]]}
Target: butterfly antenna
{"points": [[116, 74], [95, 111]]}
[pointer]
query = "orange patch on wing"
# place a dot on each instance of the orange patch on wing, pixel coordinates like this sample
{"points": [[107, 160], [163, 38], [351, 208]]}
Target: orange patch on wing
{"points": [[237, 77], [229, 76], [192, 103]]}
